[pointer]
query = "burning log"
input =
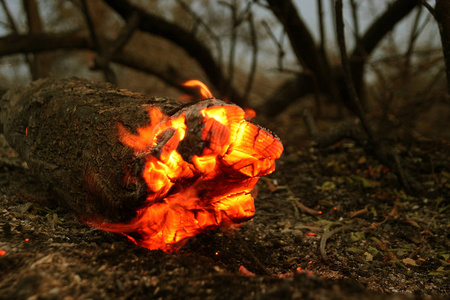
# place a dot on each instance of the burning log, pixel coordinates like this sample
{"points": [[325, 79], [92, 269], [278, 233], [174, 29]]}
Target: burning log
{"points": [[150, 168]]}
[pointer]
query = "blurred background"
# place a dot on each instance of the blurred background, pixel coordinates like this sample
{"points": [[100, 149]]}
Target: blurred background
{"points": [[277, 57]]}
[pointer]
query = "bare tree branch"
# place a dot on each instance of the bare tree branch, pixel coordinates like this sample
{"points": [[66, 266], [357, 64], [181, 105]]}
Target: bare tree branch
{"points": [[233, 39], [236, 20], [34, 26], [442, 15], [428, 7], [321, 26], [303, 43], [330, 80], [153, 24], [414, 33], [346, 67], [11, 22], [14, 44], [385, 155], [107, 71], [373, 35], [200, 21], [278, 44], [251, 75], [102, 61], [354, 6]]}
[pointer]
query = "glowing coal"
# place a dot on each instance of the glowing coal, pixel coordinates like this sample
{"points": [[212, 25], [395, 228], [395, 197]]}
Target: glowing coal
{"points": [[151, 168], [206, 189]]}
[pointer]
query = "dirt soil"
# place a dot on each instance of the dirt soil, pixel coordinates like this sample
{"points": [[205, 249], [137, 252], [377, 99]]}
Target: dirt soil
{"points": [[329, 224]]}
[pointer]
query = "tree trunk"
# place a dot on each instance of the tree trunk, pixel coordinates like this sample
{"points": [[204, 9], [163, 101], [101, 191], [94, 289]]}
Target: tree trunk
{"points": [[442, 14]]}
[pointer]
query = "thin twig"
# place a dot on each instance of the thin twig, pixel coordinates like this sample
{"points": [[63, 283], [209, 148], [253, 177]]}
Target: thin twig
{"points": [[29, 6], [306, 209], [412, 39], [157, 25], [278, 44], [11, 22], [429, 7], [325, 237], [347, 73], [125, 35], [108, 73], [14, 29], [236, 20], [355, 19], [208, 30], [252, 72], [358, 213], [91, 26], [321, 26], [323, 53], [281, 53], [5, 24], [234, 25]]}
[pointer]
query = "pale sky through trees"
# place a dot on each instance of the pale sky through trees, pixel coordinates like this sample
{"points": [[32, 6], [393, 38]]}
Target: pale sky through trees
{"points": [[368, 11]]}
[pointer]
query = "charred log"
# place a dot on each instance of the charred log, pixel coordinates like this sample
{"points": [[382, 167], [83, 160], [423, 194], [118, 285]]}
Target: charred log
{"points": [[149, 168], [64, 130]]}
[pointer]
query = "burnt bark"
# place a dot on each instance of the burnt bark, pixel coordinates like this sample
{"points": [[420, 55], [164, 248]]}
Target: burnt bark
{"points": [[66, 131]]}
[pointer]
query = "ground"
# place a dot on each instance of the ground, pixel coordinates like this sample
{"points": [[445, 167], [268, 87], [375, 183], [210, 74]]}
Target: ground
{"points": [[330, 223]]}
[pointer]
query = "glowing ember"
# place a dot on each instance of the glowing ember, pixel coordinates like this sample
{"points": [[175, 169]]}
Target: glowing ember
{"points": [[243, 270], [200, 167]]}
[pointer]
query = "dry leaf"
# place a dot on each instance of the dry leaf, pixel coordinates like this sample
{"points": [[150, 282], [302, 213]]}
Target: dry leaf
{"points": [[409, 261]]}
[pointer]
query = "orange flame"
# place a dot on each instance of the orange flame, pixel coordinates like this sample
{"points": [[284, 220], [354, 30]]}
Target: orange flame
{"points": [[204, 91], [249, 113], [201, 166]]}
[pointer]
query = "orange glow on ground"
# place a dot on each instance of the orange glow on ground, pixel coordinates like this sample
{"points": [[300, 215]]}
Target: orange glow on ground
{"points": [[208, 188]]}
